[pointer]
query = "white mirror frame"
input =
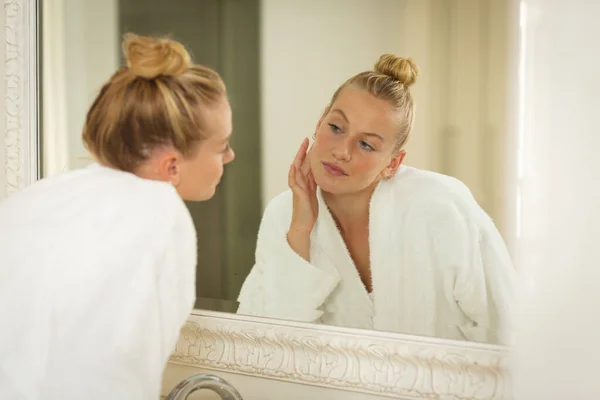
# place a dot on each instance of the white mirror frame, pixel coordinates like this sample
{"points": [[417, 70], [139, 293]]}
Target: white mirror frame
{"points": [[384, 364]]}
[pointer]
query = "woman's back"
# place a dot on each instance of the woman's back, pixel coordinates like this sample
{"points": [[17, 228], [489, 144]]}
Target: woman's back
{"points": [[101, 262]]}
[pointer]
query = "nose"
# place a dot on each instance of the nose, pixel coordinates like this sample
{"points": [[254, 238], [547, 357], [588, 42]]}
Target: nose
{"points": [[230, 157], [343, 152]]}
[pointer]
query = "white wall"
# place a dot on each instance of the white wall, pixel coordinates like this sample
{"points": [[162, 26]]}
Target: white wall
{"points": [[461, 46], [308, 49], [81, 50], [560, 198]]}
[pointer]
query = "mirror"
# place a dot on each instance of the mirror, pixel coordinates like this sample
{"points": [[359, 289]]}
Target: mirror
{"points": [[282, 60]]}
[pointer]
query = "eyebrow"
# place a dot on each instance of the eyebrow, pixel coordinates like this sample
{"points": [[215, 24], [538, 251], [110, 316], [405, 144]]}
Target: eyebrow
{"points": [[337, 110]]}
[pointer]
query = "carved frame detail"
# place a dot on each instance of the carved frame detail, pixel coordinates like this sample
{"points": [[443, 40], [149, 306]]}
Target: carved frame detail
{"points": [[384, 364], [21, 116]]}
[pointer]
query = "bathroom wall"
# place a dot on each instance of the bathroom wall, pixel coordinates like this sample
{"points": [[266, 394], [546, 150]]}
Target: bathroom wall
{"points": [[461, 46], [308, 49], [559, 182], [81, 45]]}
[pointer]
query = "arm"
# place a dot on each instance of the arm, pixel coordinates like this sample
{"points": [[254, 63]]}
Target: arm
{"points": [[176, 279], [469, 253], [282, 284], [499, 274], [484, 272]]}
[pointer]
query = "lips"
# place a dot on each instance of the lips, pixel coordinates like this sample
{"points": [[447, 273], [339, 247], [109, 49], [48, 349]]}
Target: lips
{"points": [[334, 170]]}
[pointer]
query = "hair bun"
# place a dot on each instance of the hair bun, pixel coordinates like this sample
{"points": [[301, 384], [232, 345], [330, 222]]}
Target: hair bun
{"points": [[148, 57], [404, 70]]}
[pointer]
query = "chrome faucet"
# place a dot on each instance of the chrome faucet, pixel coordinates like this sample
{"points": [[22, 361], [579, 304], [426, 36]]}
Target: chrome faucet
{"points": [[197, 382]]}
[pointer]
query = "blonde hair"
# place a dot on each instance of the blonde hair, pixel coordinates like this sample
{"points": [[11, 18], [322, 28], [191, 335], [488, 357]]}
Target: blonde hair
{"points": [[390, 80], [157, 99]]}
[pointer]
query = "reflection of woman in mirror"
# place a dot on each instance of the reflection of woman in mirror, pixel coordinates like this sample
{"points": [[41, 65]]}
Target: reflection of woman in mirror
{"points": [[363, 241], [98, 264]]}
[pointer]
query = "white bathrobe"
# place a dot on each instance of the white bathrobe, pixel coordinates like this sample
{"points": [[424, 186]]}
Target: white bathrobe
{"points": [[97, 272], [439, 266]]}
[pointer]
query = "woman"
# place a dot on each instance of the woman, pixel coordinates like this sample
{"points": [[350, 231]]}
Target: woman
{"points": [[362, 241], [97, 267]]}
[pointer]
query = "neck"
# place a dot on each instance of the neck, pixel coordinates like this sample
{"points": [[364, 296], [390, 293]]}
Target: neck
{"points": [[350, 211]]}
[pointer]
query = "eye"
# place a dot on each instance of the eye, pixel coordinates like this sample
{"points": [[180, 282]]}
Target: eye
{"points": [[226, 149], [366, 146], [335, 128]]}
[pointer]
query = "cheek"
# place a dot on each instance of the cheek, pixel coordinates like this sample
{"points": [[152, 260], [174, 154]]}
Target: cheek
{"points": [[206, 168], [322, 145], [324, 134], [213, 165], [367, 166], [363, 164]]}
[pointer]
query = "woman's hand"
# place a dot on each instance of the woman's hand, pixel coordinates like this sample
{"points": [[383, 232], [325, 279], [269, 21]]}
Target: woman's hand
{"points": [[305, 203]]}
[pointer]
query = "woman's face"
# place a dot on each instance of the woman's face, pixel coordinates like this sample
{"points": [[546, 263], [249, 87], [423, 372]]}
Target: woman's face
{"points": [[354, 143], [196, 176], [201, 172]]}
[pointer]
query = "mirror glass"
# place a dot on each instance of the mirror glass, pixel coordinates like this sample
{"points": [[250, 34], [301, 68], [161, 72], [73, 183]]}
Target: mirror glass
{"points": [[282, 60]]}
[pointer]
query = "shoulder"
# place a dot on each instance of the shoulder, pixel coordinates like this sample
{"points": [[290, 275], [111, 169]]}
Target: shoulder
{"points": [[423, 183], [278, 212], [147, 213], [149, 202], [280, 205], [432, 194], [100, 198]]}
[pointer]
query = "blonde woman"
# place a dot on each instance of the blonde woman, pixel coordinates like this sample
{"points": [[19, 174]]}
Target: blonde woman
{"points": [[97, 267], [361, 240]]}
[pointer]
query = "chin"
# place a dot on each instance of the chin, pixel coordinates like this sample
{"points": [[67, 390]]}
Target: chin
{"points": [[201, 196], [341, 187], [207, 195], [331, 186]]}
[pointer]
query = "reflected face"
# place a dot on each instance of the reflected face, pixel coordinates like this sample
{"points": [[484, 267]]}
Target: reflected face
{"points": [[201, 171], [354, 143]]}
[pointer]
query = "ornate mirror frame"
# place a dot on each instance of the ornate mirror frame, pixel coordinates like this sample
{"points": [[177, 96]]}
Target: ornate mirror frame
{"points": [[363, 361]]}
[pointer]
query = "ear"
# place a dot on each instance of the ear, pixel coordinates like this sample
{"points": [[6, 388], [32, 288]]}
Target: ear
{"points": [[169, 166], [393, 166]]}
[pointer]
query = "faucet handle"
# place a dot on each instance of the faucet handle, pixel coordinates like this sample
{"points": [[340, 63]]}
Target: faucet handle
{"points": [[204, 381]]}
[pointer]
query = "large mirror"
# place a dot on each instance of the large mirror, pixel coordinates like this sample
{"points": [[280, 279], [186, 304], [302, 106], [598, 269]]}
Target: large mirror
{"points": [[282, 61]]}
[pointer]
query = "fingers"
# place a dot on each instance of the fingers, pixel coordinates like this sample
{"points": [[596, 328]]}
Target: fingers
{"points": [[305, 169], [306, 165], [299, 171], [291, 177], [301, 154], [312, 185], [301, 180], [296, 181]]}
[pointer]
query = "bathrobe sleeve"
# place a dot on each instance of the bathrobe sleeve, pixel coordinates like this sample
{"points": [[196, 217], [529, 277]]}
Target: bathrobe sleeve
{"points": [[150, 305], [467, 250], [176, 278], [496, 269], [282, 284]]}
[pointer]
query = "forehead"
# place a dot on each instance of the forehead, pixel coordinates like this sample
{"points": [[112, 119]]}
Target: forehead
{"points": [[217, 119], [366, 112]]}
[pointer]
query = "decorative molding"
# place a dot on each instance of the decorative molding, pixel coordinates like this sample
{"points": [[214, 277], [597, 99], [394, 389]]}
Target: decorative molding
{"points": [[21, 143], [378, 363]]}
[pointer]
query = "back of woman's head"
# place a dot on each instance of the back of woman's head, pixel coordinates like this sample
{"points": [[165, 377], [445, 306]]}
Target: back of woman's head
{"points": [[390, 80], [157, 99]]}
